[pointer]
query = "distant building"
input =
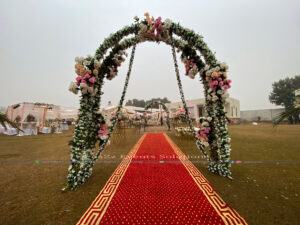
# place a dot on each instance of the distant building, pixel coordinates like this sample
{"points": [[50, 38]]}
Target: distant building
{"points": [[38, 112], [196, 107], [260, 114]]}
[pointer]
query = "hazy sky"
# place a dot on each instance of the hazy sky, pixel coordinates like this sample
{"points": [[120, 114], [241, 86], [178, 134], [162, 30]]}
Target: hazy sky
{"points": [[39, 39]]}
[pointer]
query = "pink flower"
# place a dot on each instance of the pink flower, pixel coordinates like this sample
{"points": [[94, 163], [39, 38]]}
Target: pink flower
{"points": [[102, 132], [215, 82], [159, 18], [83, 81], [92, 80], [204, 135], [87, 76], [228, 81], [78, 80], [219, 79], [225, 87], [221, 83]]}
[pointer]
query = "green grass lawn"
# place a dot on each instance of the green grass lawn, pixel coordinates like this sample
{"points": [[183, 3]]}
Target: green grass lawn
{"points": [[34, 168]]}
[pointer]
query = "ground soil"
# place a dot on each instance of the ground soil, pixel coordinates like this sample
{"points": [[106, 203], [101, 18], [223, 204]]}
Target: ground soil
{"points": [[265, 189]]}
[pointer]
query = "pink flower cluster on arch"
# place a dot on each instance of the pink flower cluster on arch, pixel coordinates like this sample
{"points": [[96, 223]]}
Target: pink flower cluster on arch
{"points": [[88, 79]]}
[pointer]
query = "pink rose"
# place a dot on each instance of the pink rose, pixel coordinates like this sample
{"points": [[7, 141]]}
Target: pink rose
{"points": [[102, 132], [87, 76], [221, 83], [228, 81], [78, 78], [219, 79], [83, 81], [92, 80]]}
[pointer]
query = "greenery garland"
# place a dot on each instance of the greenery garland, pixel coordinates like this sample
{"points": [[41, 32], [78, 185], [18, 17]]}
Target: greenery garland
{"points": [[92, 71]]}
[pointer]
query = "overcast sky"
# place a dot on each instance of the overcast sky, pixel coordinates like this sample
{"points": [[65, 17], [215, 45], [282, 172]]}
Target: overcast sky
{"points": [[39, 39]]}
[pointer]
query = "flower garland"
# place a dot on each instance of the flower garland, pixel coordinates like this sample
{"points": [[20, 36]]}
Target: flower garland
{"points": [[91, 72]]}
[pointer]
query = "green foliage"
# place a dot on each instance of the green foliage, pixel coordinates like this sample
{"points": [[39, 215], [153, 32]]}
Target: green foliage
{"points": [[143, 103], [283, 92], [284, 115]]}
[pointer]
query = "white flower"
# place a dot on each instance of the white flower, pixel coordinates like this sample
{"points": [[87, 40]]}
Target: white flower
{"points": [[84, 88], [96, 64], [210, 90], [206, 67], [209, 119], [224, 66], [215, 98], [73, 88], [220, 92], [205, 144], [136, 18], [86, 62], [94, 92], [90, 90], [205, 124], [167, 23]]}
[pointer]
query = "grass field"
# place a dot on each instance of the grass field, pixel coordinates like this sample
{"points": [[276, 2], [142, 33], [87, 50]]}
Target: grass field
{"points": [[265, 189]]}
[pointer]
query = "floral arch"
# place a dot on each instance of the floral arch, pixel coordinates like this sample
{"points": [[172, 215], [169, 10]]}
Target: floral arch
{"points": [[93, 70], [152, 103]]}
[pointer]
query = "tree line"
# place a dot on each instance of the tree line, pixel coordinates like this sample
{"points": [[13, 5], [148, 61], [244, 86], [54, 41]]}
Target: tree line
{"points": [[142, 103]]}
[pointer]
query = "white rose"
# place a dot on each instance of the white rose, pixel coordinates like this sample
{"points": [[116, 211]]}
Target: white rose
{"points": [[220, 92], [209, 119], [73, 88], [84, 88], [215, 98], [205, 124], [205, 144]]}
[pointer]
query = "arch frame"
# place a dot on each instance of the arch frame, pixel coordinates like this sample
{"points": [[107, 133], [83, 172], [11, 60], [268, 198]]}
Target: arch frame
{"points": [[103, 66], [159, 103]]}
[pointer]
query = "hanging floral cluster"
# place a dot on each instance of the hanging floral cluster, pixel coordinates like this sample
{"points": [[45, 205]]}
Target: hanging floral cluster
{"points": [[86, 76], [218, 82], [204, 130], [154, 29], [191, 68]]}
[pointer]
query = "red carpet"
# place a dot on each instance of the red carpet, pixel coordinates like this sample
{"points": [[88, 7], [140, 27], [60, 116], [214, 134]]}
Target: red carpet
{"points": [[157, 184]]}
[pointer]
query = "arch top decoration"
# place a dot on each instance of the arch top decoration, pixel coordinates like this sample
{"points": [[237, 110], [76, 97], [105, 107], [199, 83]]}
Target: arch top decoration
{"points": [[92, 71]]}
